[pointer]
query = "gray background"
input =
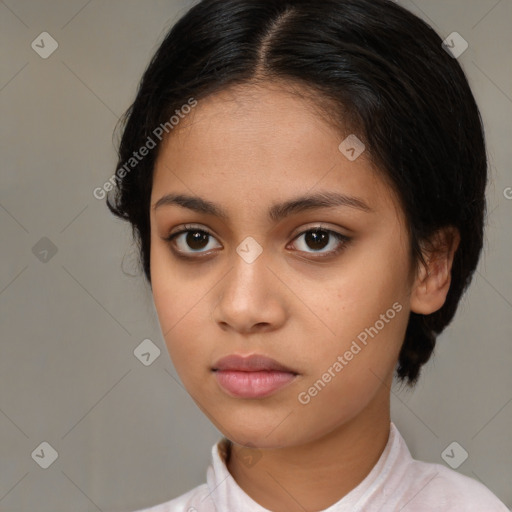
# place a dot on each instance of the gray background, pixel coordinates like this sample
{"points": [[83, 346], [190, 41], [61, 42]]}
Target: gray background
{"points": [[128, 435]]}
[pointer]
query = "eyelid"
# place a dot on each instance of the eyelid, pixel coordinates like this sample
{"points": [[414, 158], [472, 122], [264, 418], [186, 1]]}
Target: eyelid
{"points": [[189, 227], [294, 234], [319, 225]]}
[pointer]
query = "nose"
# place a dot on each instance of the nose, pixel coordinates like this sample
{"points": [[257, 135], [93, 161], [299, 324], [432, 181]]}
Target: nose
{"points": [[250, 298]]}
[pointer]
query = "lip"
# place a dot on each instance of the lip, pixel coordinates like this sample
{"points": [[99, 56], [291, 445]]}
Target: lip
{"points": [[252, 363], [254, 376]]}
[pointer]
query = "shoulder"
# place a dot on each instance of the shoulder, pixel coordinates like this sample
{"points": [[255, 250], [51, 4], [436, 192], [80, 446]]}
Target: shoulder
{"points": [[447, 490], [191, 501], [415, 485]]}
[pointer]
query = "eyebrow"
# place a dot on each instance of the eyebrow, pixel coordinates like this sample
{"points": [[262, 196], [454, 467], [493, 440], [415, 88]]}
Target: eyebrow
{"points": [[276, 212]]}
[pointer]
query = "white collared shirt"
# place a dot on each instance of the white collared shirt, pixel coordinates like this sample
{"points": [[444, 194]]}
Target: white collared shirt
{"points": [[397, 482]]}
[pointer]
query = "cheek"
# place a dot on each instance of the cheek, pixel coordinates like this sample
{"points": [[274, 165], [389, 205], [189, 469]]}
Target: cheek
{"points": [[164, 295], [175, 291], [337, 391], [339, 402], [371, 280], [176, 301], [366, 306], [182, 336]]}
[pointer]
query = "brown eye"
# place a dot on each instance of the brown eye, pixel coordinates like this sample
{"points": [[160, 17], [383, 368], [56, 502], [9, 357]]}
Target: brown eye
{"points": [[191, 240], [196, 240], [318, 239]]}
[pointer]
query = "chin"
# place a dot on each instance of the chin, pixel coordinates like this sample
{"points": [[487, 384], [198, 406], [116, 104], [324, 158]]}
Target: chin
{"points": [[259, 440], [254, 430]]}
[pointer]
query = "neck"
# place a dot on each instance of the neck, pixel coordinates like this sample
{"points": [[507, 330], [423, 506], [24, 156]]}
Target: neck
{"points": [[314, 476]]}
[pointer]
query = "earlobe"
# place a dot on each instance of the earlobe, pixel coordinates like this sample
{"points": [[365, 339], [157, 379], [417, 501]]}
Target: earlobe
{"points": [[432, 282]]}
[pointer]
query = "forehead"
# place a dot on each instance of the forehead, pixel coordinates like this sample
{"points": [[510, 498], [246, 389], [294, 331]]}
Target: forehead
{"points": [[263, 144], [255, 120]]}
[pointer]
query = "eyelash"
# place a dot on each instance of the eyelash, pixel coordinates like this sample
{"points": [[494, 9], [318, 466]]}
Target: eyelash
{"points": [[342, 239]]}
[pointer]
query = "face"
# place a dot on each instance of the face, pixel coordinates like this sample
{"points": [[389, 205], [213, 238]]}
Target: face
{"points": [[323, 290]]}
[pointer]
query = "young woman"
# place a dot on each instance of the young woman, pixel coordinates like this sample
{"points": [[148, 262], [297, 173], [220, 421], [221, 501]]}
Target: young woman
{"points": [[306, 182]]}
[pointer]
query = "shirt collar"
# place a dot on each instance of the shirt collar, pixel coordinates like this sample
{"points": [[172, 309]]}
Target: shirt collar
{"points": [[228, 495]]}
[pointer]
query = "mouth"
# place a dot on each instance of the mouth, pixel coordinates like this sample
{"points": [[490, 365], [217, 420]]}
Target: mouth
{"points": [[252, 363], [255, 376]]}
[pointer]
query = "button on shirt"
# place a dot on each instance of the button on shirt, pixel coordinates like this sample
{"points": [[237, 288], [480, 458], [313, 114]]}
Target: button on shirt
{"points": [[397, 482]]}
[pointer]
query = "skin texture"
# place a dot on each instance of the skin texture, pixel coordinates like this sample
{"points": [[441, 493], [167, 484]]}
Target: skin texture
{"points": [[246, 149]]}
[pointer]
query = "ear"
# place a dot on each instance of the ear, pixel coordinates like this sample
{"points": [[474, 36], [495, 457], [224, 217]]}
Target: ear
{"points": [[432, 282]]}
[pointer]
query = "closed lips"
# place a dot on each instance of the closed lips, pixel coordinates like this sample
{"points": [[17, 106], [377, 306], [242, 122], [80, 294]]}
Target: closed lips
{"points": [[252, 363], [252, 377]]}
